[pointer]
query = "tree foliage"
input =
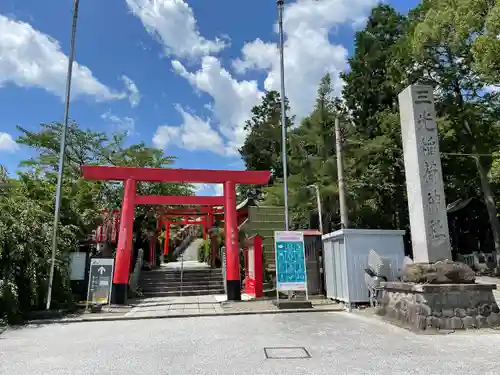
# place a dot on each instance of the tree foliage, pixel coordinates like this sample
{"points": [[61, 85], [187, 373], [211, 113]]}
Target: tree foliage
{"points": [[447, 44], [27, 205]]}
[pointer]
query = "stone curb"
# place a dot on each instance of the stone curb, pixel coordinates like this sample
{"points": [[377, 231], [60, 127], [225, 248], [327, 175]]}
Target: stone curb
{"points": [[188, 315]]}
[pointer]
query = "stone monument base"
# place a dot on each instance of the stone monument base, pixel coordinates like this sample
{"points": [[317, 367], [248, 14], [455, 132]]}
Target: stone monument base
{"points": [[422, 307]]}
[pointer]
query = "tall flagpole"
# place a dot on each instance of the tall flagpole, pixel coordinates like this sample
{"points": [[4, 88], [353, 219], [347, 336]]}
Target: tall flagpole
{"points": [[281, 4], [62, 151]]}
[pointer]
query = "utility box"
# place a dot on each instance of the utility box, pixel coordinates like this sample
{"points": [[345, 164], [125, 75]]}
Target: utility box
{"points": [[346, 257]]}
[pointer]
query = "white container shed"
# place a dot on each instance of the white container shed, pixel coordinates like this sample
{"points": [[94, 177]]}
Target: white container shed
{"points": [[346, 257]]}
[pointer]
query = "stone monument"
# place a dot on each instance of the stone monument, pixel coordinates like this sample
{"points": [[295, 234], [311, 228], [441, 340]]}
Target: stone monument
{"points": [[424, 177], [435, 292]]}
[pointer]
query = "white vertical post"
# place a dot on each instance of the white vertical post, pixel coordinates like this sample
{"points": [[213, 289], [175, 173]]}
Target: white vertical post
{"points": [[424, 176], [344, 220]]}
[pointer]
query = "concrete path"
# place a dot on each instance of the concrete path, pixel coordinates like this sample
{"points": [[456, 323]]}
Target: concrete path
{"points": [[190, 258], [212, 304], [187, 306], [191, 253], [326, 343], [166, 306]]}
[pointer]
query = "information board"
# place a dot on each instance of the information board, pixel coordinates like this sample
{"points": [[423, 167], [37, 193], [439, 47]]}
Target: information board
{"points": [[290, 261], [100, 280], [78, 261]]}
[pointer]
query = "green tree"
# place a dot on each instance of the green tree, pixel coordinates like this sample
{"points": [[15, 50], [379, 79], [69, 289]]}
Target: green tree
{"points": [[369, 88], [25, 238], [374, 164], [27, 205], [473, 25], [262, 147], [441, 47], [311, 160]]}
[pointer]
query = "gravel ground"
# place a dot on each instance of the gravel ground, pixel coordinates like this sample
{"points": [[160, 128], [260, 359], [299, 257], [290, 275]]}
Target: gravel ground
{"points": [[338, 343]]}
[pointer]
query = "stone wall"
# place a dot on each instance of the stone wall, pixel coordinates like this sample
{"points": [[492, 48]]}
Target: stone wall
{"points": [[439, 307]]}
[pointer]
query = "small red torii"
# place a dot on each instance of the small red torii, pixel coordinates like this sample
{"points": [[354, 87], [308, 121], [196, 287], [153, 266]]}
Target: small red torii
{"points": [[130, 176]]}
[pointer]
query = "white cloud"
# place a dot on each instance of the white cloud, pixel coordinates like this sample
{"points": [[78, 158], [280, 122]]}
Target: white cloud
{"points": [[30, 58], [257, 54], [209, 189], [308, 52], [7, 143], [122, 124], [193, 134], [174, 24], [309, 55], [166, 135], [232, 100], [219, 189], [134, 96]]}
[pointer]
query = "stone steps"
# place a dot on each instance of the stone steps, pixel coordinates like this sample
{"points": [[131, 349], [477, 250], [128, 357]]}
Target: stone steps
{"points": [[200, 280], [185, 285], [177, 293], [166, 282]]}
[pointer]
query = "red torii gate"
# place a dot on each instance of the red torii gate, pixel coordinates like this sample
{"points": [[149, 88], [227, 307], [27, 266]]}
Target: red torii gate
{"points": [[130, 176], [187, 220], [208, 213], [204, 202]]}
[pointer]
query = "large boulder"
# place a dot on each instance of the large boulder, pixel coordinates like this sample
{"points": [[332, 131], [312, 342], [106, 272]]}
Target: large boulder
{"points": [[443, 272]]}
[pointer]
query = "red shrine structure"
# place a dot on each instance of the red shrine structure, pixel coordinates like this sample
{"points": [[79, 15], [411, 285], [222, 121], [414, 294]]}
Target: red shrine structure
{"points": [[204, 215], [130, 176]]}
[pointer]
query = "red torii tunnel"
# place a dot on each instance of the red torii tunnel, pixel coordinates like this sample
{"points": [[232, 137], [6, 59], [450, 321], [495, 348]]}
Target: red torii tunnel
{"points": [[207, 208], [204, 215], [130, 176]]}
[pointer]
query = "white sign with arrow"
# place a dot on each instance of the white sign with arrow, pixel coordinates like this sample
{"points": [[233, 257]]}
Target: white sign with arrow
{"points": [[100, 280]]}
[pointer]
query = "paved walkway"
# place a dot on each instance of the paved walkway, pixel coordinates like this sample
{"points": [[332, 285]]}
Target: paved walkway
{"points": [[213, 304], [188, 306], [191, 253], [165, 306], [189, 261], [285, 344]]}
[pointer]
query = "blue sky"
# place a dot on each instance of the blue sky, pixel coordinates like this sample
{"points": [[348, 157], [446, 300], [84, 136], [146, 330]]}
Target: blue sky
{"points": [[181, 75]]}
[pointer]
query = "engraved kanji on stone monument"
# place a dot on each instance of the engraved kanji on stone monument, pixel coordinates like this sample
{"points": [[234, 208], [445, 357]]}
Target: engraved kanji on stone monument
{"points": [[425, 120], [428, 145], [430, 171], [433, 201], [424, 177]]}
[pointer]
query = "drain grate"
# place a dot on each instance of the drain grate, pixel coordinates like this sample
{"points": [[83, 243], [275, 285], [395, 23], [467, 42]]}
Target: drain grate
{"points": [[286, 353]]}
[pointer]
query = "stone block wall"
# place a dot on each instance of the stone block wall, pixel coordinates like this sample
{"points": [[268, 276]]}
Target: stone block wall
{"points": [[439, 307]]}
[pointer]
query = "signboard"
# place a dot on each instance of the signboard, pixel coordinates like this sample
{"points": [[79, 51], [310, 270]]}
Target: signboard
{"points": [[290, 261], [77, 263], [100, 280]]}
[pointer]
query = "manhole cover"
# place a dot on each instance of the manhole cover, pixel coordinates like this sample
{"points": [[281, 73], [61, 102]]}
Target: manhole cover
{"points": [[286, 353]]}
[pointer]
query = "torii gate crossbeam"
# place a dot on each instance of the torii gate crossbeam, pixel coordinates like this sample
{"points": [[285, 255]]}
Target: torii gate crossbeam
{"points": [[130, 176]]}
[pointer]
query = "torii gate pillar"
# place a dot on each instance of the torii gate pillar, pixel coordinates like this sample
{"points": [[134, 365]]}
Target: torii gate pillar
{"points": [[232, 249], [124, 249]]}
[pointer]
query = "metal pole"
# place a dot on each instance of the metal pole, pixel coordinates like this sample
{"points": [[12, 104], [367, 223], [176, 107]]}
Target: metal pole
{"points": [[62, 151], [281, 4], [182, 270], [340, 174]]}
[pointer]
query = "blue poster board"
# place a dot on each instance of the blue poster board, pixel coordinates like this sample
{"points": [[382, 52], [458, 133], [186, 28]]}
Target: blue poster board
{"points": [[290, 261]]}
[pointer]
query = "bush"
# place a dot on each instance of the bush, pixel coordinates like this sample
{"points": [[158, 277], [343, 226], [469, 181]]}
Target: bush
{"points": [[25, 258]]}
